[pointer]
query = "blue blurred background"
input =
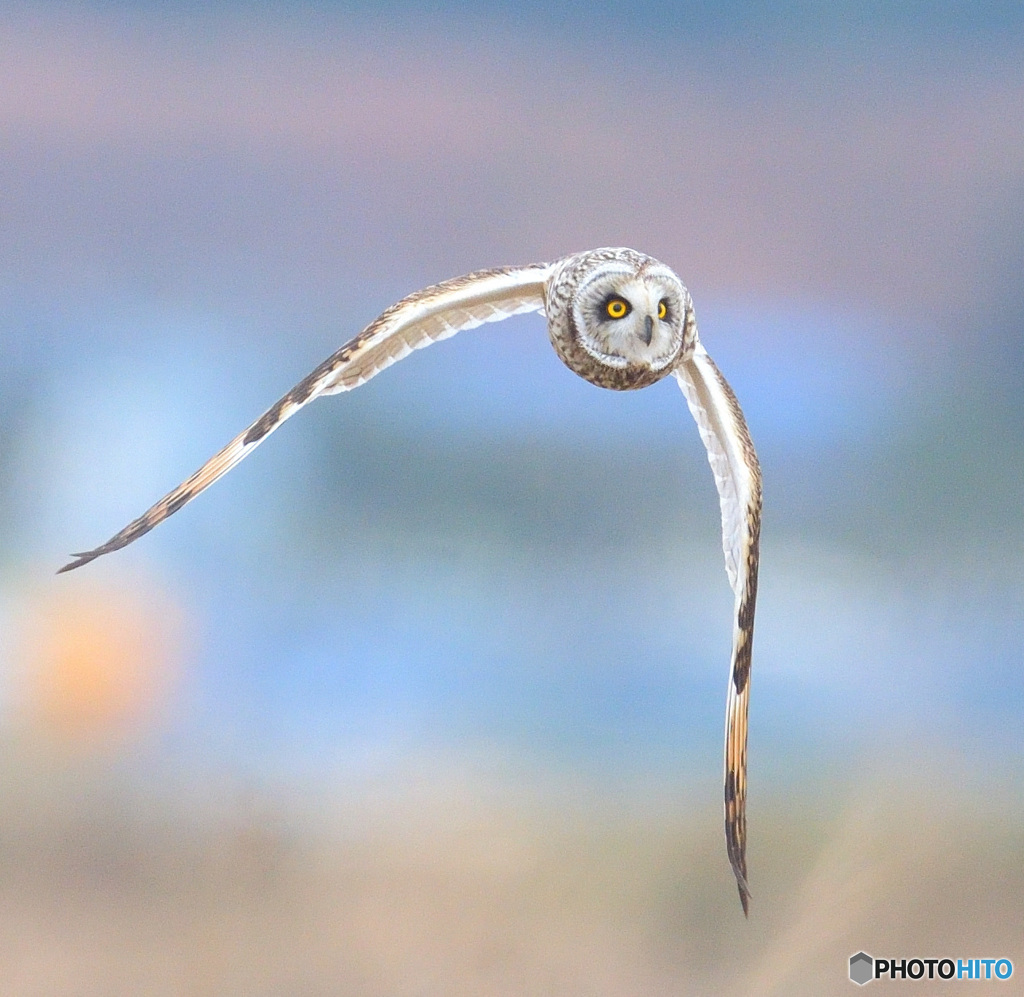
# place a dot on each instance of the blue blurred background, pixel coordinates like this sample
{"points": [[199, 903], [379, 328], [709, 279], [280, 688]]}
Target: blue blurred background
{"points": [[478, 569]]}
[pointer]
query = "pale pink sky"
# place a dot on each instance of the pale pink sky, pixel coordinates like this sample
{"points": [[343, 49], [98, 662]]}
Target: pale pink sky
{"points": [[156, 151]]}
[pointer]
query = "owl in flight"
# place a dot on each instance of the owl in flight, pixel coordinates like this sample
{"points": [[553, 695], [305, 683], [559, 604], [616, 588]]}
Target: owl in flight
{"points": [[621, 320]]}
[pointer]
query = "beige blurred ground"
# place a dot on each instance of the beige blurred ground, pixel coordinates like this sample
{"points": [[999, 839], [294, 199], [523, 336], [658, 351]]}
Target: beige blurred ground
{"points": [[456, 888]]}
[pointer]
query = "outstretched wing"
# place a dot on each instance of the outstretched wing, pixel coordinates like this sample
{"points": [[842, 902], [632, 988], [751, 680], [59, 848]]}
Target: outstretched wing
{"points": [[738, 478], [422, 318]]}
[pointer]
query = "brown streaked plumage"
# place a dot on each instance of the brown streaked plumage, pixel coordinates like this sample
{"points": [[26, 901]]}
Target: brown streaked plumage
{"points": [[737, 474], [416, 321], [648, 333]]}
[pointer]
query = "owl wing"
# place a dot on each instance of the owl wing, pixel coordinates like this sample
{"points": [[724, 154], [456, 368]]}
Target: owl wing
{"points": [[738, 478], [425, 317]]}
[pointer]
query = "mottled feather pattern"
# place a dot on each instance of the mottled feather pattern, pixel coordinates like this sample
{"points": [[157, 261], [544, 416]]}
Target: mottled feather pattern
{"points": [[737, 475], [417, 320], [571, 282], [737, 705], [436, 313], [569, 289]]}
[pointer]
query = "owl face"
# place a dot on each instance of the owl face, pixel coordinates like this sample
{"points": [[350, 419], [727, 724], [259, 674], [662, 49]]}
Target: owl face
{"points": [[627, 322]]}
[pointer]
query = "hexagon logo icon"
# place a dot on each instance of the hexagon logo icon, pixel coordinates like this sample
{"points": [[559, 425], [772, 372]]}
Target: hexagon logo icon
{"points": [[861, 968]]}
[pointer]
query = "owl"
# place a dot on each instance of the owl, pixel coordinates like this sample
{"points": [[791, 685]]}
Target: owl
{"points": [[616, 317]]}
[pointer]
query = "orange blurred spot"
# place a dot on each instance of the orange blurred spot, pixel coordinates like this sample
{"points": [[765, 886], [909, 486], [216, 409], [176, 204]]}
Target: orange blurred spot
{"points": [[99, 662]]}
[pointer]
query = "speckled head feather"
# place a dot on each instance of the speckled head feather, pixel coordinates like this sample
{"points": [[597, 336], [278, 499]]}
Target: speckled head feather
{"points": [[620, 320], [620, 351]]}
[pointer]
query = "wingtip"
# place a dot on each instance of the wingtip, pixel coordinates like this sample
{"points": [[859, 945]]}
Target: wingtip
{"points": [[741, 886], [744, 899], [79, 560]]}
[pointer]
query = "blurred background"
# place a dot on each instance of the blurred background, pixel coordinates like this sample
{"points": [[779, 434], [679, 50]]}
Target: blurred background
{"points": [[427, 696]]}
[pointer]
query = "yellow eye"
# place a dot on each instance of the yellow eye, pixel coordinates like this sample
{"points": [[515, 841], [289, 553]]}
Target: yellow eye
{"points": [[662, 308], [617, 308]]}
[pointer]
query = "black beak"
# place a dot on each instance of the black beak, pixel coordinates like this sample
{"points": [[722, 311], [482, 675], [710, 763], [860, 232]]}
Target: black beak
{"points": [[648, 330]]}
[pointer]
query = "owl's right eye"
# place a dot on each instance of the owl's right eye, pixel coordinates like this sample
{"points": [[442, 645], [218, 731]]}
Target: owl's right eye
{"points": [[617, 307]]}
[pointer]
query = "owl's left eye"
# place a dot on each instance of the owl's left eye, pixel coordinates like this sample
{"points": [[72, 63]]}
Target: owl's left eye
{"points": [[662, 308], [617, 307]]}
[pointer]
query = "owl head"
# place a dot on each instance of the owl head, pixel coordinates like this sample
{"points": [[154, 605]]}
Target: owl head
{"points": [[619, 318]]}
